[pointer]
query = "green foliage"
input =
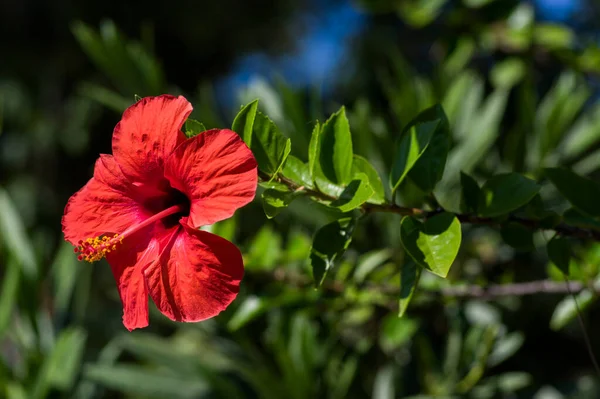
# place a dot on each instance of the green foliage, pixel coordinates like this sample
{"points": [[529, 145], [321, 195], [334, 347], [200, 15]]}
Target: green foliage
{"points": [[269, 146], [505, 193], [580, 191], [60, 320], [429, 127], [471, 192], [567, 310], [409, 279], [335, 149], [330, 243], [362, 167], [433, 244], [274, 201], [559, 252], [192, 128], [356, 193]]}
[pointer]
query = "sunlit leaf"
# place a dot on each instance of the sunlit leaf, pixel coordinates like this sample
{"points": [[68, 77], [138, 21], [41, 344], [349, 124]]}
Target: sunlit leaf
{"points": [[193, 128], [297, 171], [355, 194], [361, 165], [274, 201], [433, 244], [413, 142], [335, 152], [243, 123]]}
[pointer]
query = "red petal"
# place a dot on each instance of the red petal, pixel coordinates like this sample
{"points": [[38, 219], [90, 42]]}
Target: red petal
{"points": [[137, 252], [197, 278], [148, 132], [106, 204], [216, 171]]}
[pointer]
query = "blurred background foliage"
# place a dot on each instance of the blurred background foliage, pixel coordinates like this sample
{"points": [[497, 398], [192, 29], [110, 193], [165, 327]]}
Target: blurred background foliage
{"points": [[518, 81]]}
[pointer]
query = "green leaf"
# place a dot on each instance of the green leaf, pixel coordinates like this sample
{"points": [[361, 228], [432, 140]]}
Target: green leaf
{"points": [[143, 381], [396, 332], [60, 369], [270, 147], [470, 193], [506, 347], [253, 307], [193, 128], [355, 194], [504, 193], [383, 386], [313, 150], [409, 279], [428, 170], [314, 166], [517, 236], [433, 244], [335, 152], [580, 191], [8, 294], [508, 73], [576, 218], [265, 250], [478, 365], [567, 309], [297, 171], [15, 391], [330, 243], [65, 360], [65, 273], [413, 142], [108, 98], [15, 239], [248, 310], [553, 36], [274, 201], [559, 253], [361, 165], [243, 123]]}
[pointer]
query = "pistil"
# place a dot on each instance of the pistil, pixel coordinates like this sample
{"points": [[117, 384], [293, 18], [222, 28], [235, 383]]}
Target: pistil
{"points": [[94, 249]]}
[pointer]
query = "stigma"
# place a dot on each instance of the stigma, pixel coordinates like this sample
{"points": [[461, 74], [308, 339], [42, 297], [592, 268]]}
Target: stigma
{"points": [[94, 249]]}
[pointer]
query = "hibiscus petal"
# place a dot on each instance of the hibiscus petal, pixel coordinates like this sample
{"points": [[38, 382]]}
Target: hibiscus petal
{"points": [[137, 252], [148, 132], [197, 277], [105, 205], [216, 171]]}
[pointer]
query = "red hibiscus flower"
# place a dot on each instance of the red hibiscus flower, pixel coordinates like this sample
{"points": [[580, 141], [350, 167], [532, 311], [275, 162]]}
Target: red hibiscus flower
{"points": [[145, 203]]}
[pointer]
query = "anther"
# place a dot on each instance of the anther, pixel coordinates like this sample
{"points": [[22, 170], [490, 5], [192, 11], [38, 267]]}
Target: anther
{"points": [[94, 249]]}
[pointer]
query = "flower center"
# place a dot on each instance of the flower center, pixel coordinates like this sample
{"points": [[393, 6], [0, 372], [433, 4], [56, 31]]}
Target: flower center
{"points": [[94, 249]]}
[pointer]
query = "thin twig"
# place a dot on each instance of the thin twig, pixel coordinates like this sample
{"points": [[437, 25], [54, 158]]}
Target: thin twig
{"points": [[531, 224], [514, 289], [489, 292]]}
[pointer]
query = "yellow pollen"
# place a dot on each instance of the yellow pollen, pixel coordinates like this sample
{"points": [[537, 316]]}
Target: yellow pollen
{"points": [[94, 249]]}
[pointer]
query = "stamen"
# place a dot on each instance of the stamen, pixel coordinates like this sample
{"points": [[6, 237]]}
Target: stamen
{"points": [[94, 249]]}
